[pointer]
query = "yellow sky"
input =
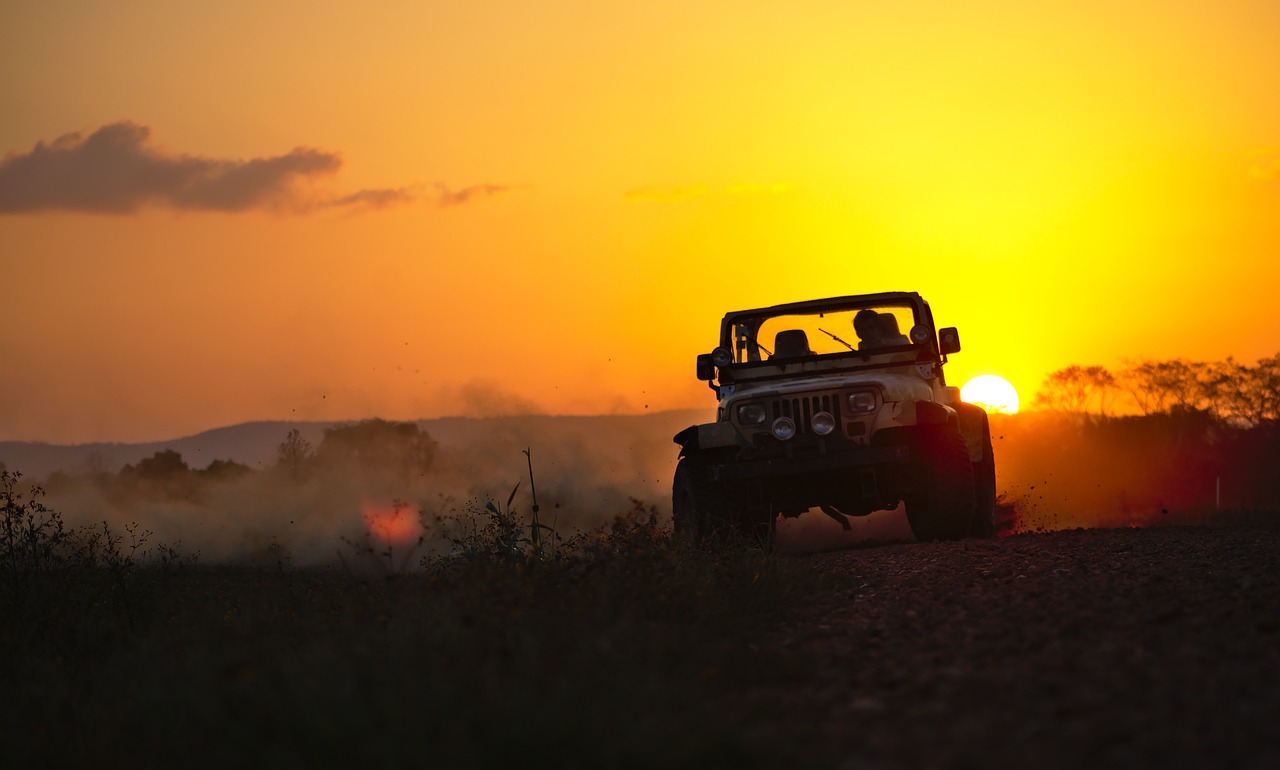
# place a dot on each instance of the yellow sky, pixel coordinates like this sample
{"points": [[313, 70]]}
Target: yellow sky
{"points": [[577, 191]]}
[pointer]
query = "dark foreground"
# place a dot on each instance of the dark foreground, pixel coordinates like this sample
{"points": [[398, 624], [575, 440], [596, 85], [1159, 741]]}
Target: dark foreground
{"points": [[1112, 648], [1106, 648]]}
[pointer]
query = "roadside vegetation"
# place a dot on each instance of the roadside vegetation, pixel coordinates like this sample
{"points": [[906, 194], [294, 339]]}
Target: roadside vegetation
{"points": [[491, 634], [1153, 443], [616, 647]]}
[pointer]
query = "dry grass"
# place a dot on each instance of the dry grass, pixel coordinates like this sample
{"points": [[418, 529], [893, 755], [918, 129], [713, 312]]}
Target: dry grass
{"points": [[620, 648]]}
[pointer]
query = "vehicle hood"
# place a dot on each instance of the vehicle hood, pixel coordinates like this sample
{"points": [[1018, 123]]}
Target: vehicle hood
{"points": [[907, 385]]}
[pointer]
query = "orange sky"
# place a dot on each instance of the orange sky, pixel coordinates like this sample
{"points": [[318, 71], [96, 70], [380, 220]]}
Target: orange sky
{"points": [[508, 206]]}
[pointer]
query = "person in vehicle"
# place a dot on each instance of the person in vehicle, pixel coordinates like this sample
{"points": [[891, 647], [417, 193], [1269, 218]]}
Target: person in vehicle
{"points": [[869, 328], [890, 333]]}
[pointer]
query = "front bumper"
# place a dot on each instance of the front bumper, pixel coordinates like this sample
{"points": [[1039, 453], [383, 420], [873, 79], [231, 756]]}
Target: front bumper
{"points": [[802, 460]]}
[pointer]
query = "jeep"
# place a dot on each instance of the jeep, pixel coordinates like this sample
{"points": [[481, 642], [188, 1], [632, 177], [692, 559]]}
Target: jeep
{"points": [[838, 404]]}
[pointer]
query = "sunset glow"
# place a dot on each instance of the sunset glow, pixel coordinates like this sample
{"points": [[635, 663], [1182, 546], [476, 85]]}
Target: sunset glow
{"points": [[993, 393], [394, 525], [216, 213]]}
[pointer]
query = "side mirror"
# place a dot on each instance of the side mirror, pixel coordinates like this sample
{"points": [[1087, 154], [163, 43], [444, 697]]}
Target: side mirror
{"points": [[948, 341], [706, 369]]}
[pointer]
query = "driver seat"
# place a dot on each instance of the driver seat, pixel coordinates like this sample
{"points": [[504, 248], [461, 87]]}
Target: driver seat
{"points": [[791, 343]]}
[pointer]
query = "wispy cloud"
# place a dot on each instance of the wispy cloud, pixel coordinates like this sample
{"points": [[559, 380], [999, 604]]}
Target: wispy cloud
{"points": [[475, 192], [378, 199], [117, 170]]}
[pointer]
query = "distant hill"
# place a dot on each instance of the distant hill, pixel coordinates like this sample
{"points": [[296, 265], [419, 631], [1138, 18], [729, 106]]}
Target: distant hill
{"points": [[255, 443]]}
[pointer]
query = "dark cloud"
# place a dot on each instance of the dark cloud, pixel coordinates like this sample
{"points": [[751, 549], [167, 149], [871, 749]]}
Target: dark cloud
{"points": [[468, 194], [114, 171]]}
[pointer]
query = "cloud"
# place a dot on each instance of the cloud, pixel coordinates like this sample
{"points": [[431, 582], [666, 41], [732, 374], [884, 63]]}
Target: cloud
{"points": [[115, 170], [378, 199], [468, 194]]}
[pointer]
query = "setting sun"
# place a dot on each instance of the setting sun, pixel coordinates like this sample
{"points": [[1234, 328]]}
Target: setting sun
{"points": [[992, 393]]}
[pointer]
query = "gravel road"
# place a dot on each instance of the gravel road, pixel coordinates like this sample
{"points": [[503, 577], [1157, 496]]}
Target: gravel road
{"points": [[1131, 648]]}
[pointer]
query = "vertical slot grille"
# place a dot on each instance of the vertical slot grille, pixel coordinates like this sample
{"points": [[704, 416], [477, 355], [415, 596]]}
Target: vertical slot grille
{"points": [[802, 409]]}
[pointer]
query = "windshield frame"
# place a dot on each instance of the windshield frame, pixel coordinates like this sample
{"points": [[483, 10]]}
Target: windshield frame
{"points": [[757, 318]]}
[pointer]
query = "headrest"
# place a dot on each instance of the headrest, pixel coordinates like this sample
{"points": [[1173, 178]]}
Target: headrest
{"points": [[791, 343]]}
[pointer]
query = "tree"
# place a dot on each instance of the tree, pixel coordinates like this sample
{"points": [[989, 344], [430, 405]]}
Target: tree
{"points": [[1162, 386], [165, 465], [163, 475], [399, 448], [225, 470], [293, 454], [1265, 383], [1073, 388]]}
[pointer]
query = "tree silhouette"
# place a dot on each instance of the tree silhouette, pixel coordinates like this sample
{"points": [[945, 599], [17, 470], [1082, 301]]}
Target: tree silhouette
{"points": [[1072, 390], [1227, 390], [163, 475], [1161, 386], [293, 454], [225, 470], [165, 465], [396, 448]]}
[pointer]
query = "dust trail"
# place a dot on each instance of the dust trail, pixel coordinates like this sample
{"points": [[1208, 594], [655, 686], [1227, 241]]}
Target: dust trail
{"points": [[587, 470], [1057, 472]]}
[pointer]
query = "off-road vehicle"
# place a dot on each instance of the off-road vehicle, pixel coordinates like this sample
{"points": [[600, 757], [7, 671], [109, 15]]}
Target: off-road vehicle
{"points": [[838, 404]]}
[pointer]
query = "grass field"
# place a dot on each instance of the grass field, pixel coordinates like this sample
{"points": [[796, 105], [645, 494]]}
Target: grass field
{"points": [[623, 647], [620, 649]]}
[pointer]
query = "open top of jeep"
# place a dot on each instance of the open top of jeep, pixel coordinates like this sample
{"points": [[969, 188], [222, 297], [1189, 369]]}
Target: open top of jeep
{"points": [[839, 404]]}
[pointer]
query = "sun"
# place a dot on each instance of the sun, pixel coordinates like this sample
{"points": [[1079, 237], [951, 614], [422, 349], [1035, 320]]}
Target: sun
{"points": [[992, 393]]}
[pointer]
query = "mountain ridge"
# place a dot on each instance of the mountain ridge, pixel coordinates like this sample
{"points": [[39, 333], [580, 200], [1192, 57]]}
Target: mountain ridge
{"points": [[254, 443]]}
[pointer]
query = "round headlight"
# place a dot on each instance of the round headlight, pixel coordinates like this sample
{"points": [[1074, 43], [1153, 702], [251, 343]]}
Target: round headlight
{"points": [[862, 401], [823, 423], [784, 428], [919, 334], [751, 414], [721, 356]]}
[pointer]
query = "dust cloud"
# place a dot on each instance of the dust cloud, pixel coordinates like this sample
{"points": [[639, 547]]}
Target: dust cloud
{"points": [[319, 501], [391, 483]]}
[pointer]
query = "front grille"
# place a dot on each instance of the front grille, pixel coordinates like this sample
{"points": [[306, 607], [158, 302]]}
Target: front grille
{"points": [[802, 409]]}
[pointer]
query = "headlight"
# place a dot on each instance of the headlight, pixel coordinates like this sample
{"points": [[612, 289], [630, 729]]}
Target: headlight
{"points": [[862, 401], [751, 414], [823, 423], [784, 428], [721, 356]]}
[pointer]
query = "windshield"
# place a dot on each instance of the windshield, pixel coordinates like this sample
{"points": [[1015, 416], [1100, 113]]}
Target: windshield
{"points": [[874, 328]]}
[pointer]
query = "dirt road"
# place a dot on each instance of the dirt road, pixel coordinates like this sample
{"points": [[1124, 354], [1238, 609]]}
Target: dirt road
{"points": [[1104, 648]]}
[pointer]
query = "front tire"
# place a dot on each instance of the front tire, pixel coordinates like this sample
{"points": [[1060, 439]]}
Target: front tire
{"points": [[984, 489], [704, 511], [694, 504], [940, 496]]}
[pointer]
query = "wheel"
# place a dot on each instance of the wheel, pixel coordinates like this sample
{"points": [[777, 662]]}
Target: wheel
{"points": [[940, 495], [983, 523], [693, 503], [704, 511]]}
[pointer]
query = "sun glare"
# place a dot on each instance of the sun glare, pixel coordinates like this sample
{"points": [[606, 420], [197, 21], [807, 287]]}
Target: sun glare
{"points": [[992, 393], [395, 524]]}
